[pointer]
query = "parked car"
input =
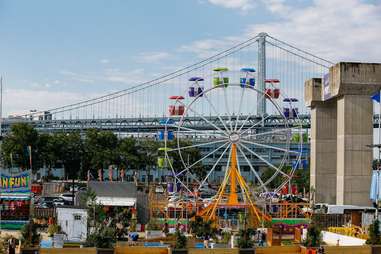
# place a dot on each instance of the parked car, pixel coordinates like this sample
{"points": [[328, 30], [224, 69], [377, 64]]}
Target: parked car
{"points": [[50, 202], [67, 196]]}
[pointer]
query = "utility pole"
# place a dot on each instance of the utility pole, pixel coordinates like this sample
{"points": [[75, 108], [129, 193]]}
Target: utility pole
{"points": [[261, 101], [1, 107]]}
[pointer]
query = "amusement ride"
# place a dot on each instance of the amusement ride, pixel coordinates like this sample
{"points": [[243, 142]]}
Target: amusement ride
{"points": [[238, 138]]}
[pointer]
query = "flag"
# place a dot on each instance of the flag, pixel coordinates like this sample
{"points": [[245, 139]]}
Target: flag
{"points": [[376, 97]]}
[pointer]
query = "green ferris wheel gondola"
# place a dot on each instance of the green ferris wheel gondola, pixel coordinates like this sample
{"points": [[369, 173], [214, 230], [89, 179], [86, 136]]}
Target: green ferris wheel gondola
{"points": [[220, 78]]}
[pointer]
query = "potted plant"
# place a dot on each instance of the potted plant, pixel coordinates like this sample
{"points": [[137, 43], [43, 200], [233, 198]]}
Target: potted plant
{"points": [[374, 238], [181, 243], [30, 238], [245, 242], [313, 239]]}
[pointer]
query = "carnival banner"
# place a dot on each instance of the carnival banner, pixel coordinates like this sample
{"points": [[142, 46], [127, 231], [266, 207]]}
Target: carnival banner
{"points": [[15, 183]]}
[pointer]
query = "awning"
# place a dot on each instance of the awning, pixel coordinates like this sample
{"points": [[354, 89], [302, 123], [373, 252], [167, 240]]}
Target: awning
{"points": [[116, 201], [6, 196]]}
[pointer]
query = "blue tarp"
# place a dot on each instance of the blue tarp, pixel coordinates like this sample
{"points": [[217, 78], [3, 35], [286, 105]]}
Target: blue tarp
{"points": [[375, 186]]}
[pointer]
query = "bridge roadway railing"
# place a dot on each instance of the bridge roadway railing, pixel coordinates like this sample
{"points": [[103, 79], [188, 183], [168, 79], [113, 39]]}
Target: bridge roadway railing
{"points": [[149, 124], [153, 124]]}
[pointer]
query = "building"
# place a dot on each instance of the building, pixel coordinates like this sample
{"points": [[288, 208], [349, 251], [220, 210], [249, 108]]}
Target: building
{"points": [[73, 222]]}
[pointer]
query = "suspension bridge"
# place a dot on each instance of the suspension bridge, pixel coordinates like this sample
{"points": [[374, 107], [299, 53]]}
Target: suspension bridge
{"points": [[140, 108]]}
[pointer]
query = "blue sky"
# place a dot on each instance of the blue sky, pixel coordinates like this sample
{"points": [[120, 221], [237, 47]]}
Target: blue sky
{"points": [[58, 52]]}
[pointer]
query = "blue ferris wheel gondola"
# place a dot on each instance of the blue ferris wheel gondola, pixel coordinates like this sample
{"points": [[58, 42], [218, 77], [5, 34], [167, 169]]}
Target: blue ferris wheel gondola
{"points": [[245, 80], [162, 134]]}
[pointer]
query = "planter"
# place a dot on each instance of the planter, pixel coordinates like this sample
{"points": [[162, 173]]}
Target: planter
{"points": [[179, 251], [246, 251], [105, 251], [308, 250], [376, 249], [30, 250]]}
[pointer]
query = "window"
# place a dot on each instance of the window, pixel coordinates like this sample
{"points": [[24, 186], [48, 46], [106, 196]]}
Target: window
{"points": [[77, 217]]}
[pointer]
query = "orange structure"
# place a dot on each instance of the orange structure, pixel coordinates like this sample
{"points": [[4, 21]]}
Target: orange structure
{"points": [[234, 177]]}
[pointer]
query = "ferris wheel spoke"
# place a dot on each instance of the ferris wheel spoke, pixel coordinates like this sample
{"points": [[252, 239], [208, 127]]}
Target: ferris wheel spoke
{"points": [[214, 166], [204, 118], [269, 146], [176, 177], [266, 132], [197, 145], [253, 170], [187, 168], [214, 133], [255, 124], [264, 160], [248, 116], [227, 108], [215, 111], [239, 109]]}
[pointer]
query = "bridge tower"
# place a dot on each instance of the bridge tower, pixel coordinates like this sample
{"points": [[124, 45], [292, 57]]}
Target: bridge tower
{"points": [[341, 129], [261, 70]]}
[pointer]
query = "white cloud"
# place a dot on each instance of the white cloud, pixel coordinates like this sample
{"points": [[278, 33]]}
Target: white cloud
{"points": [[109, 75], [243, 5], [19, 101], [153, 57], [338, 30], [104, 61], [209, 47]]}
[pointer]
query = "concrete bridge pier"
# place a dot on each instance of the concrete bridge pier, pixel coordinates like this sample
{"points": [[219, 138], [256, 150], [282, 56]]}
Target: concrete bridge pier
{"points": [[341, 129]]}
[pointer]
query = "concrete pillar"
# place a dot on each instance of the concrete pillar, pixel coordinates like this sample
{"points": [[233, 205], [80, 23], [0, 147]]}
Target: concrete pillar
{"points": [[323, 143], [354, 158], [351, 85]]}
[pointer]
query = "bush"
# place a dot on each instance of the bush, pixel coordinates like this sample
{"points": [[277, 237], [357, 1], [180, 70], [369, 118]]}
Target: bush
{"points": [[244, 239], [53, 229], [181, 240], [314, 236], [374, 233], [29, 235], [102, 237], [202, 228]]}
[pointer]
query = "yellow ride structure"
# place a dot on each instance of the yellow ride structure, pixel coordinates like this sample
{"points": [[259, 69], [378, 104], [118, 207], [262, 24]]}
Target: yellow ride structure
{"points": [[233, 178]]}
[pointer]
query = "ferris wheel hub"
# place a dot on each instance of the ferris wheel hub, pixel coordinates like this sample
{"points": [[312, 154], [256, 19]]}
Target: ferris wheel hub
{"points": [[234, 137]]}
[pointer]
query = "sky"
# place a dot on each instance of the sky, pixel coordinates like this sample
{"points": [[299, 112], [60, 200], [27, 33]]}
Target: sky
{"points": [[54, 53]]}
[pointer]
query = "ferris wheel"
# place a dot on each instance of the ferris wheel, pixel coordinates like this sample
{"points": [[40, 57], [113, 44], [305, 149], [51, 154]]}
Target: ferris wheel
{"points": [[221, 124]]}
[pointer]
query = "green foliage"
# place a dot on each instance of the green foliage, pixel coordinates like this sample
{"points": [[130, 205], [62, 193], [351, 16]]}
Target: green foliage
{"points": [[92, 151], [244, 238], [15, 146], [53, 229], [102, 236], [314, 236], [202, 228], [374, 233], [153, 224], [181, 240], [193, 154], [29, 235]]}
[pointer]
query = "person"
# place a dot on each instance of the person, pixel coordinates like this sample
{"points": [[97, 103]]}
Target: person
{"points": [[206, 241], [12, 245]]}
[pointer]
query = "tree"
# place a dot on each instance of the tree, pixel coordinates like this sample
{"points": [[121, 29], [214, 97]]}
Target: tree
{"points": [[15, 147], [101, 149], [181, 240], [314, 236], [244, 238], [374, 233], [202, 228], [29, 235]]}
